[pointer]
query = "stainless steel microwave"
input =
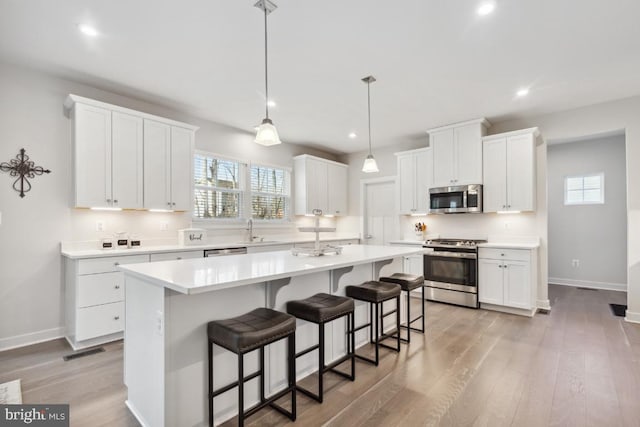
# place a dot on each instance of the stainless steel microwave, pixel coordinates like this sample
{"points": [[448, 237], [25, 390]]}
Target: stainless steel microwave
{"points": [[456, 199]]}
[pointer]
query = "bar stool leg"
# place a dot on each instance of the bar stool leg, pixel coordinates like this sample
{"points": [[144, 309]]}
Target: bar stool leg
{"points": [[262, 374], [210, 370], [291, 341], [423, 312], [398, 320], [240, 390], [353, 345], [377, 335], [320, 358], [371, 323], [408, 318]]}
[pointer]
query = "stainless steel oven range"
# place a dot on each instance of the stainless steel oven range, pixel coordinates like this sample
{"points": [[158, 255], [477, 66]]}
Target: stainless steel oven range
{"points": [[451, 271]]}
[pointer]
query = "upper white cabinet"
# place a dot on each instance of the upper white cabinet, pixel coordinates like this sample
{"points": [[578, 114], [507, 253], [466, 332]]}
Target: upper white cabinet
{"points": [[457, 153], [112, 148], [167, 166], [320, 184], [509, 171], [108, 158], [415, 177]]}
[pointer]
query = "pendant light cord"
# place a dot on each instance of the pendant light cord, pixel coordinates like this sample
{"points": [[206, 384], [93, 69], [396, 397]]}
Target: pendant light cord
{"points": [[369, 112], [266, 69]]}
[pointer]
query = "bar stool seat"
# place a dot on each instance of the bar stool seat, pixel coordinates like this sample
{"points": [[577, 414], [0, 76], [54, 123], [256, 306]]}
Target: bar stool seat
{"points": [[408, 283], [251, 330], [320, 309], [243, 334], [376, 293]]}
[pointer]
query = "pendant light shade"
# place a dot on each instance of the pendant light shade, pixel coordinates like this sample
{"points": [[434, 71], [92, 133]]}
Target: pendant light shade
{"points": [[267, 133], [370, 164]]}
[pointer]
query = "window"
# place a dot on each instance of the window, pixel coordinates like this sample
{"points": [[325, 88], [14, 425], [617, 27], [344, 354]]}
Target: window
{"points": [[218, 187], [226, 189], [270, 195], [584, 189]]}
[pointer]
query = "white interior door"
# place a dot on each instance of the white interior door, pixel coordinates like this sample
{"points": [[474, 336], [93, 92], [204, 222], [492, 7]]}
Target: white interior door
{"points": [[379, 212]]}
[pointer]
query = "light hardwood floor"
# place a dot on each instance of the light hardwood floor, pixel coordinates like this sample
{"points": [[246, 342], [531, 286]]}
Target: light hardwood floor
{"points": [[577, 366]]}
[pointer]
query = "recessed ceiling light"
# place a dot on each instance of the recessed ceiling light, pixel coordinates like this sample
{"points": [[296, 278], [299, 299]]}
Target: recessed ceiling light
{"points": [[271, 103], [88, 30], [353, 135], [522, 92], [486, 8]]}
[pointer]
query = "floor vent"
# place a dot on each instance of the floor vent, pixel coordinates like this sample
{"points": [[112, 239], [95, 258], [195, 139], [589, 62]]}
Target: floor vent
{"points": [[83, 353], [587, 289], [618, 310]]}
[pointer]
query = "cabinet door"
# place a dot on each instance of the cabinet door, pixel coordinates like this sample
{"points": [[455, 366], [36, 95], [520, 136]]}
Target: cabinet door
{"points": [[490, 281], [443, 160], [127, 162], [317, 196], [92, 141], [181, 168], [517, 284], [494, 191], [424, 180], [157, 165], [468, 155], [337, 189], [520, 161], [407, 183], [413, 264]]}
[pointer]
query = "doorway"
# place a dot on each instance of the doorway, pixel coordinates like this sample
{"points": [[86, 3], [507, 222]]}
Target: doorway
{"points": [[587, 212], [379, 215]]}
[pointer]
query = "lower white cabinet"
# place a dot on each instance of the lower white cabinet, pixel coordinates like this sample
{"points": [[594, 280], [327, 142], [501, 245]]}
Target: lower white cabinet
{"points": [[508, 278], [170, 256], [94, 299], [269, 248]]}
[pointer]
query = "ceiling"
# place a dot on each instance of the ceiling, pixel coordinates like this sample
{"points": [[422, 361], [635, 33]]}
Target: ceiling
{"points": [[436, 61]]}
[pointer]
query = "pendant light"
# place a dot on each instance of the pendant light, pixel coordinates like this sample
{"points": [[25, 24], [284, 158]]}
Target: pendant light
{"points": [[370, 164], [267, 133]]}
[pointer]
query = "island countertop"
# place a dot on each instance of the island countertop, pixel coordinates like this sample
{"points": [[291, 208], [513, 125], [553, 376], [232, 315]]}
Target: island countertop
{"points": [[194, 276]]}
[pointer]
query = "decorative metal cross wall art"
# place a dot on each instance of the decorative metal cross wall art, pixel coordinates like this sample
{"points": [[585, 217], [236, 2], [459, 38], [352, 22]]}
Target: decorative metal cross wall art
{"points": [[24, 169]]}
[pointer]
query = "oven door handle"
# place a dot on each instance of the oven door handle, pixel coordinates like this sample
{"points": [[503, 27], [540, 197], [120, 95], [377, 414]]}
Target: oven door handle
{"points": [[444, 254]]}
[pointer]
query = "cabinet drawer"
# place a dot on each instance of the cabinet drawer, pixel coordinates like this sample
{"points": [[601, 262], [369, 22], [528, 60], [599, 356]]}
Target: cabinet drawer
{"points": [[99, 320], [168, 256], [108, 264], [96, 289], [511, 254]]}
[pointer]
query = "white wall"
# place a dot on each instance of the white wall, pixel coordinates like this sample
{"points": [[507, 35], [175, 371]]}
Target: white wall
{"points": [[595, 235], [32, 117]]}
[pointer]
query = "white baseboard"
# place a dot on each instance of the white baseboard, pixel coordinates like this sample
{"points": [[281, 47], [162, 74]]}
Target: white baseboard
{"points": [[32, 338], [588, 284], [632, 317], [543, 304]]}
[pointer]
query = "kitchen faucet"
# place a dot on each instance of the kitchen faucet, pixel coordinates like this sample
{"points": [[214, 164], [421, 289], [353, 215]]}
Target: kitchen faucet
{"points": [[250, 229]]}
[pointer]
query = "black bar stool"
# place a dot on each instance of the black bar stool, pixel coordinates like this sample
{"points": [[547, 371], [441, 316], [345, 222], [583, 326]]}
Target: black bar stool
{"points": [[320, 309], [376, 293], [408, 282], [243, 334]]}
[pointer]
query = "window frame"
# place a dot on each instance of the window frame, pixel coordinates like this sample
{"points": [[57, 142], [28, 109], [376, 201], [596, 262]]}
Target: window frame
{"points": [[245, 192], [582, 202]]}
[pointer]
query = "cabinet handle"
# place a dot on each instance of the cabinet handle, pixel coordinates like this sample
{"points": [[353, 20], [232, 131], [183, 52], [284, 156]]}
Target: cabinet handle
{"points": [[501, 254], [179, 258], [117, 286], [504, 206], [115, 200], [337, 212], [108, 200], [508, 206], [116, 317], [168, 203], [116, 264]]}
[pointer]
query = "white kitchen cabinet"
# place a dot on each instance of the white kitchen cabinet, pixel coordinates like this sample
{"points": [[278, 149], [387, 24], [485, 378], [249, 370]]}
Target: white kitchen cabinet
{"points": [[507, 279], [170, 256], [320, 184], [457, 153], [269, 248], [509, 171], [415, 177], [94, 299], [116, 167], [167, 166], [108, 158]]}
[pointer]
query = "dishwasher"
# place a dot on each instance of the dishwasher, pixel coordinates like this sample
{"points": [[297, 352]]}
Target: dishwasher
{"points": [[224, 251]]}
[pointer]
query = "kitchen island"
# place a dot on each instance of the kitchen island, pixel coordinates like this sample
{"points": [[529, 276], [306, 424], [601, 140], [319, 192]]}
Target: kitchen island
{"points": [[168, 305]]}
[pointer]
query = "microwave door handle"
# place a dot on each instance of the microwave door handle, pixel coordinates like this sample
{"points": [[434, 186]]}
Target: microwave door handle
{"points": [[464, 199]]}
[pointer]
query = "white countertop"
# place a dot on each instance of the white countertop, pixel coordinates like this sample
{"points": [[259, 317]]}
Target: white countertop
{"points": [[407, 242], [74, 253], [198, 275]]}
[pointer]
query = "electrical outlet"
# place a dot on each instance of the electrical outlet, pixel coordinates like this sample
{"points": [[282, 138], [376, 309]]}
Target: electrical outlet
{"points": [[159, 323], [164, 226], [575, 263], [99, 225]]}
